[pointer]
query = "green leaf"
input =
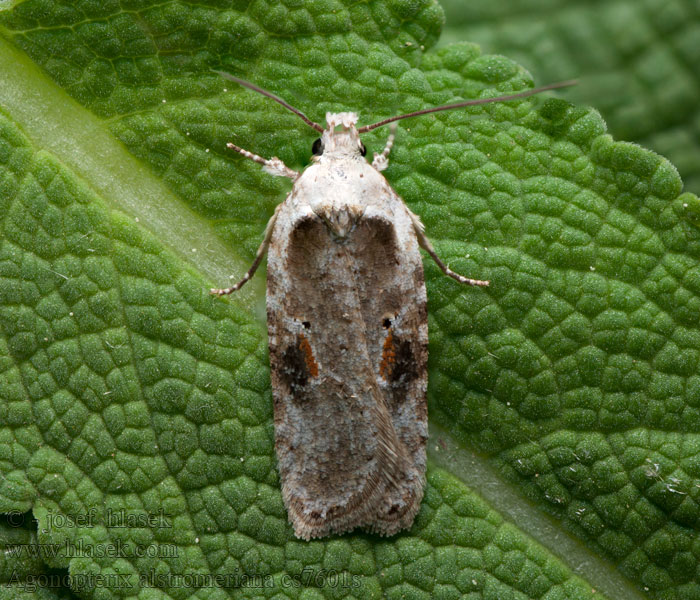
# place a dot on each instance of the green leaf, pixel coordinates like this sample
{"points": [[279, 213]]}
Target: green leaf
{"points": [[637, 61], [128, 392]]}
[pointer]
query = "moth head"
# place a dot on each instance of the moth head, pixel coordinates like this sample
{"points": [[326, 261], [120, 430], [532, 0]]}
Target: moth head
{"points": [[346, 141], [340, 138]]}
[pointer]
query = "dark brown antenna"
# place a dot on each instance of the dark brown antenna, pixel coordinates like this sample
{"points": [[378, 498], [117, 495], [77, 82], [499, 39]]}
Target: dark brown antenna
{"points": [[525, 94], [277, 99]]}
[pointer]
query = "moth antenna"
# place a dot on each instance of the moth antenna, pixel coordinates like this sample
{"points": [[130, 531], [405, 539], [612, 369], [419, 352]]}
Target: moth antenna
{"points": [[277, 99], [425, 111]]}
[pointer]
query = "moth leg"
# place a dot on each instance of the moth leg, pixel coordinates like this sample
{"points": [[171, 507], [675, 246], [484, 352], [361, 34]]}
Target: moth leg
{"points": [[256, 263], [428, 247], [381, 161], [273, 166]]}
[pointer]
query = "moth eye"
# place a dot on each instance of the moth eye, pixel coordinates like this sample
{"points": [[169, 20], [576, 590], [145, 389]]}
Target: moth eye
{"points": [[386, 323], [317, 148], [306, 324], [363, 149]]}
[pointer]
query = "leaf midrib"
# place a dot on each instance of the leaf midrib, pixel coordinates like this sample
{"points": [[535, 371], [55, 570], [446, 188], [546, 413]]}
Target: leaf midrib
{"points": [[55, 122], [479, 473]]}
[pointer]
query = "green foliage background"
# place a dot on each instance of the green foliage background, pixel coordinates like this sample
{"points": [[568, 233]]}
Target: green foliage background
{"points": [[639, 61], [125, 387]]}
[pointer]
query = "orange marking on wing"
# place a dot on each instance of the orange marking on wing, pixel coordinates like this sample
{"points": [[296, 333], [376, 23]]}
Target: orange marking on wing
{"points": [[388, 356], [311, 363]]}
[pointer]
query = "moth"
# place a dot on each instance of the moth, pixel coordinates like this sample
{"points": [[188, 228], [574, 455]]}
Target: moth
{"points": [[348, 332]]}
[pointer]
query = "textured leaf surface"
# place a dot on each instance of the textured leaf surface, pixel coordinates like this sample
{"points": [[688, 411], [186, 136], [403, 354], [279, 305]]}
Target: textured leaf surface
{"points": [[638, 61], [126, 387]]}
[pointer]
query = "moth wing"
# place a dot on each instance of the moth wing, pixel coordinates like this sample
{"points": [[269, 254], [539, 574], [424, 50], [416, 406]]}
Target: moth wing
{"points": [[395, 309], [348, 347]]}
